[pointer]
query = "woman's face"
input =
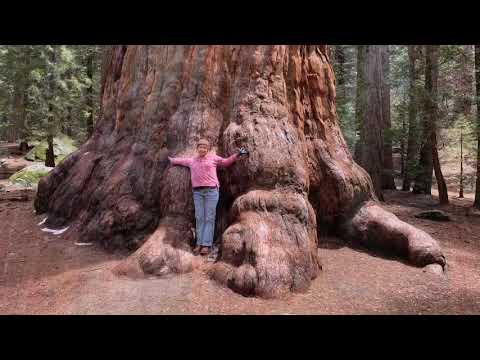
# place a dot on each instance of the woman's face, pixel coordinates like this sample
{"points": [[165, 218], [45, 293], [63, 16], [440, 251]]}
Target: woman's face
{"points": [[202, 150]]}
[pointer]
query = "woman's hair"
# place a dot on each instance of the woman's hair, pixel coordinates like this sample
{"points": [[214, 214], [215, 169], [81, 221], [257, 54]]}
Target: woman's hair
{"points": [[203, 142]]}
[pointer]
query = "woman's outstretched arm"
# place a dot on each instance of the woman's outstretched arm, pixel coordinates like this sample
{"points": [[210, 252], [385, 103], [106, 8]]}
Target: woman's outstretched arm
{"points": [[226, 162], [180, 161]]}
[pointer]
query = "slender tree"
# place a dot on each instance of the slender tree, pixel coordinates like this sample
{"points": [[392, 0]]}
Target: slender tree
{"points": [[90, 71], [460, 191], [412, 118], [431, 86], [424, 171], [429, 152], [477, 97], [50, 156]]}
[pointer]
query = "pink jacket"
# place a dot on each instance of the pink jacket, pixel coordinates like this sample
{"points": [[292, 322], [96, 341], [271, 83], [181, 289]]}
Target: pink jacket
{"points": [[203, 171]]}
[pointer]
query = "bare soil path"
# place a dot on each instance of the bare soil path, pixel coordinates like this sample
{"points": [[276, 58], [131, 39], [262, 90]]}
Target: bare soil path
{"points": [[42, 273]]}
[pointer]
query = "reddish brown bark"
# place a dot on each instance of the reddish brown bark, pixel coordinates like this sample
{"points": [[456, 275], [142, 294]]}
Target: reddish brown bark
{"points": [[372, 111], [388, 181], [279, 102], [460, 190]]}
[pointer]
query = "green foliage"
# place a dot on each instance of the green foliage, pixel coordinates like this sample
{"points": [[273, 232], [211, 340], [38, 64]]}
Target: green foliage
{"points": [[62, 147], [30, 175], [344, 65], [346, 118], [456, 102], [55, 81]]}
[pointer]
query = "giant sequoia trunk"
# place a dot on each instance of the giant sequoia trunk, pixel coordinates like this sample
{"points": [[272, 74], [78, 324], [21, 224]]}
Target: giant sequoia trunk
{"points": [[300, 179]]}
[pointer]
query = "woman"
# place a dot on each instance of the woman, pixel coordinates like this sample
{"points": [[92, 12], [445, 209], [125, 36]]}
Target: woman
{"points": [[205, 185]]}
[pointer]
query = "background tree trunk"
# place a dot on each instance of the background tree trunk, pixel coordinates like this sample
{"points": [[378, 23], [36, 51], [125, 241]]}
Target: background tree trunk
{"points": [[477, 98], [388, 181], [90, 69], [431, 87], [360, 101], [279, 102], [412, 119], [403, 138], [371, 137], [423, 179]]}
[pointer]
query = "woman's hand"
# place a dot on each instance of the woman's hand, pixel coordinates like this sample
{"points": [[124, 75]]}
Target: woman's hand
{"points": [[243, 152]]}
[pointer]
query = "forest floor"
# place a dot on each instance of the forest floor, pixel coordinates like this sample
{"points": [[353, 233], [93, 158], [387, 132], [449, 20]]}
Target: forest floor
{"points": [[42, 273]]}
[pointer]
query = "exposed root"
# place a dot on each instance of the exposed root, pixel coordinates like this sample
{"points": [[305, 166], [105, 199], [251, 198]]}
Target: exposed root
{"points": [[374, 227], [271, 249], [158, 256]]}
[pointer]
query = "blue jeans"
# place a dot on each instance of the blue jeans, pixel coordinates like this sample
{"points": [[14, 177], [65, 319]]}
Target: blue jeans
{"points": [[205, 201]]}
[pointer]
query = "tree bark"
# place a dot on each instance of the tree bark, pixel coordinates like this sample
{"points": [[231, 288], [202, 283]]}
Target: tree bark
{"points": [[477, 99], [388, 181], [412, 119], [300, 179], [460, 191], [371, 136], [402, 141]]}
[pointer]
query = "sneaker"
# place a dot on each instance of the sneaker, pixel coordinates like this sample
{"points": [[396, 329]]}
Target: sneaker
{"points": [[205, 250], [212, 257], [196, 251]]}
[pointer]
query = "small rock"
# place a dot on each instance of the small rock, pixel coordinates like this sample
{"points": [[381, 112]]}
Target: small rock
{"points": [[434, 269], [436, 215]]}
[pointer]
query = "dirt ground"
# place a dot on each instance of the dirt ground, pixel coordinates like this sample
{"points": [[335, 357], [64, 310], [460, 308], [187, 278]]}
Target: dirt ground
{"points": [[42, 273]]}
